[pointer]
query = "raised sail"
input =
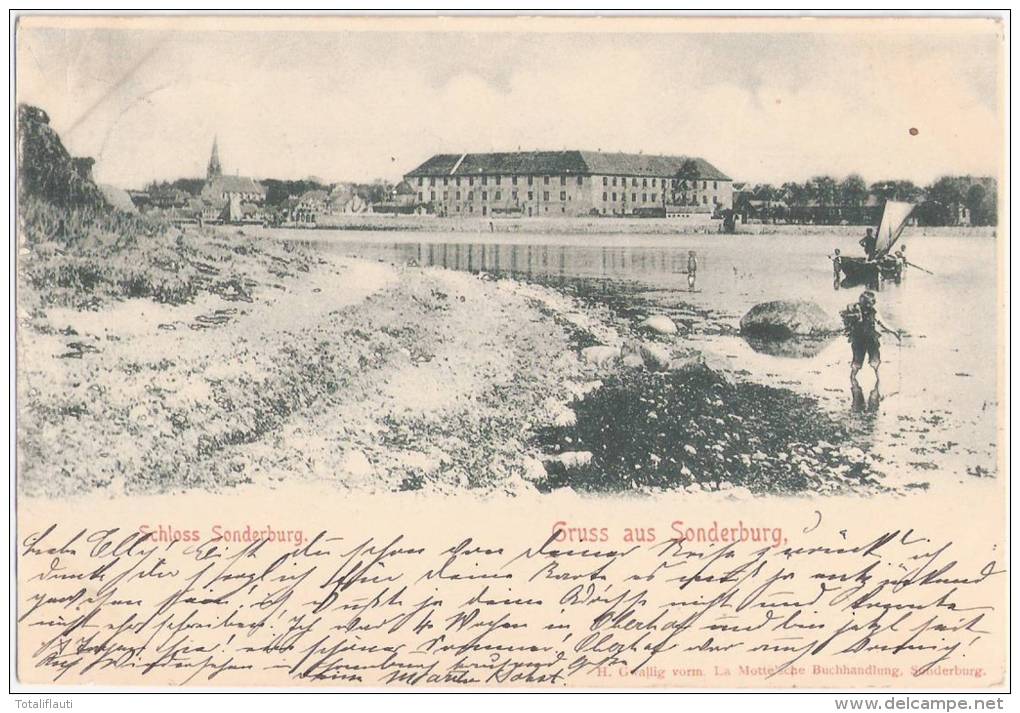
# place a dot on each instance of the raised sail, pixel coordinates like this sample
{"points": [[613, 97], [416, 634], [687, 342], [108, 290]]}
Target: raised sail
{"points": [[894, 218]]}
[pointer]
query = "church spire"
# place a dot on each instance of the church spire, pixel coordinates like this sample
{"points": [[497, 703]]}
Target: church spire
{"points": [[214, 170]]}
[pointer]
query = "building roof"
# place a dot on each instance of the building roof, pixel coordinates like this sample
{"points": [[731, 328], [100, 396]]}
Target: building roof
{"points": [[639, 164], [562, 162], [315, 195], [403, 189], [234, 184]]}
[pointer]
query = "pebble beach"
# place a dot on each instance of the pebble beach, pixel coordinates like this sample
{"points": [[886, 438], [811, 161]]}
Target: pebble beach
{"points": [[377, 377]]}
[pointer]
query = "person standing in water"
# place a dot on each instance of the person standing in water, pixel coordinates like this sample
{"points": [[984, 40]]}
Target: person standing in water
{"points": [[835, 257], [692, 270], [862, 324], [868, 242]]}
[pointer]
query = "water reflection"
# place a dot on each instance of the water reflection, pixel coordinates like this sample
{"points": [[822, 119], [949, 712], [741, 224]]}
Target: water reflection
{"points": [[672, 265], [793, 347], [858, 404], [950, 350]]}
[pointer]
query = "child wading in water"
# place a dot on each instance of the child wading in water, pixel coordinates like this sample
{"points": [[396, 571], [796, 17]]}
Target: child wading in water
{"points": [[836, 267], [862, 324]]}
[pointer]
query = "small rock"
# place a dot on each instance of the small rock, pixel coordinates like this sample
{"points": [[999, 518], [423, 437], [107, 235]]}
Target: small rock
{"points": [[633, 361], [655, 357], [534, 470], [686, 359], [660, 324]]}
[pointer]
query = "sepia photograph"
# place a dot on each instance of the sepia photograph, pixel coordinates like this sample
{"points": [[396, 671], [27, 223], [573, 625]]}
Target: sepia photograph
{"points": [[543, 352]]}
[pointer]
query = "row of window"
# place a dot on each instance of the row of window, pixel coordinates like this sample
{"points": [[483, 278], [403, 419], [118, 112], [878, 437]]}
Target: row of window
{"points": [[653, 197], [496, 196], [665, 182], [471, 209], [244, 196], [563, 181], [633, 197], [498, 180]]}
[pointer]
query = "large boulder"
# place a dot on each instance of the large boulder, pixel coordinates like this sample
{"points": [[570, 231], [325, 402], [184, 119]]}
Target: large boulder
{"points": [[783, 319]]}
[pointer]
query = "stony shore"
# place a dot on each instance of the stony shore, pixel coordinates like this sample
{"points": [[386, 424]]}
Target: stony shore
{"points": [[375, 377]]}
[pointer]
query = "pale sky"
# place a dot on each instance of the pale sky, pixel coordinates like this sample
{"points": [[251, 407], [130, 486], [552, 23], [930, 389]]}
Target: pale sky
{"points": [[357, 105]]}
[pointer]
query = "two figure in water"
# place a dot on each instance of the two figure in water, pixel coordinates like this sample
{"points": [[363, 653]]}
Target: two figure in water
{"points": [[862, 324]]}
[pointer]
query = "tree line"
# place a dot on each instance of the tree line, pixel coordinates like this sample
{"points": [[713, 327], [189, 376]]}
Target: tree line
{"points": [[277, 190], [825, 199]]}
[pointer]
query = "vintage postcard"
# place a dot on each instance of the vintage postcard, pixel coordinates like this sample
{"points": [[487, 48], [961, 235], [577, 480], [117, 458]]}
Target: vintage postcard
{"points": [[511, 352]]}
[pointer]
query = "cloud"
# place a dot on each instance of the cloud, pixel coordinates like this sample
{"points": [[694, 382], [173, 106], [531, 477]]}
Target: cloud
{"points": [[342, 106]]}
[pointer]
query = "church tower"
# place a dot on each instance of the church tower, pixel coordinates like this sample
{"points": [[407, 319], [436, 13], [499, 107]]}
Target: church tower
{"points": [[214, 170]]}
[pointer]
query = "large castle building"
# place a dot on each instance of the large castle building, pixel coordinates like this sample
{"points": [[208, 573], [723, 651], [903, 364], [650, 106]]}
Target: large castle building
{"points": [[569, 183]]}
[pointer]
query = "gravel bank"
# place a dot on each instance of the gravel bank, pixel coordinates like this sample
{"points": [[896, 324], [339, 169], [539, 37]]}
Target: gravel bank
{"points": [[372, 377]]}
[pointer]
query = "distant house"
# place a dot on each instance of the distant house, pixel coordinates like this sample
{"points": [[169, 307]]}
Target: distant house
{"points": [[401, 198], [220, 189], [168, 198], [816, 212], [293, 212], [314, 199], [344, 199], [403, 194]]}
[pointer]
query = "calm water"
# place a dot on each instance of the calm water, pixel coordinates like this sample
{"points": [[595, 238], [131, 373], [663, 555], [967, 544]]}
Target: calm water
{"points": [[937, 412]]}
